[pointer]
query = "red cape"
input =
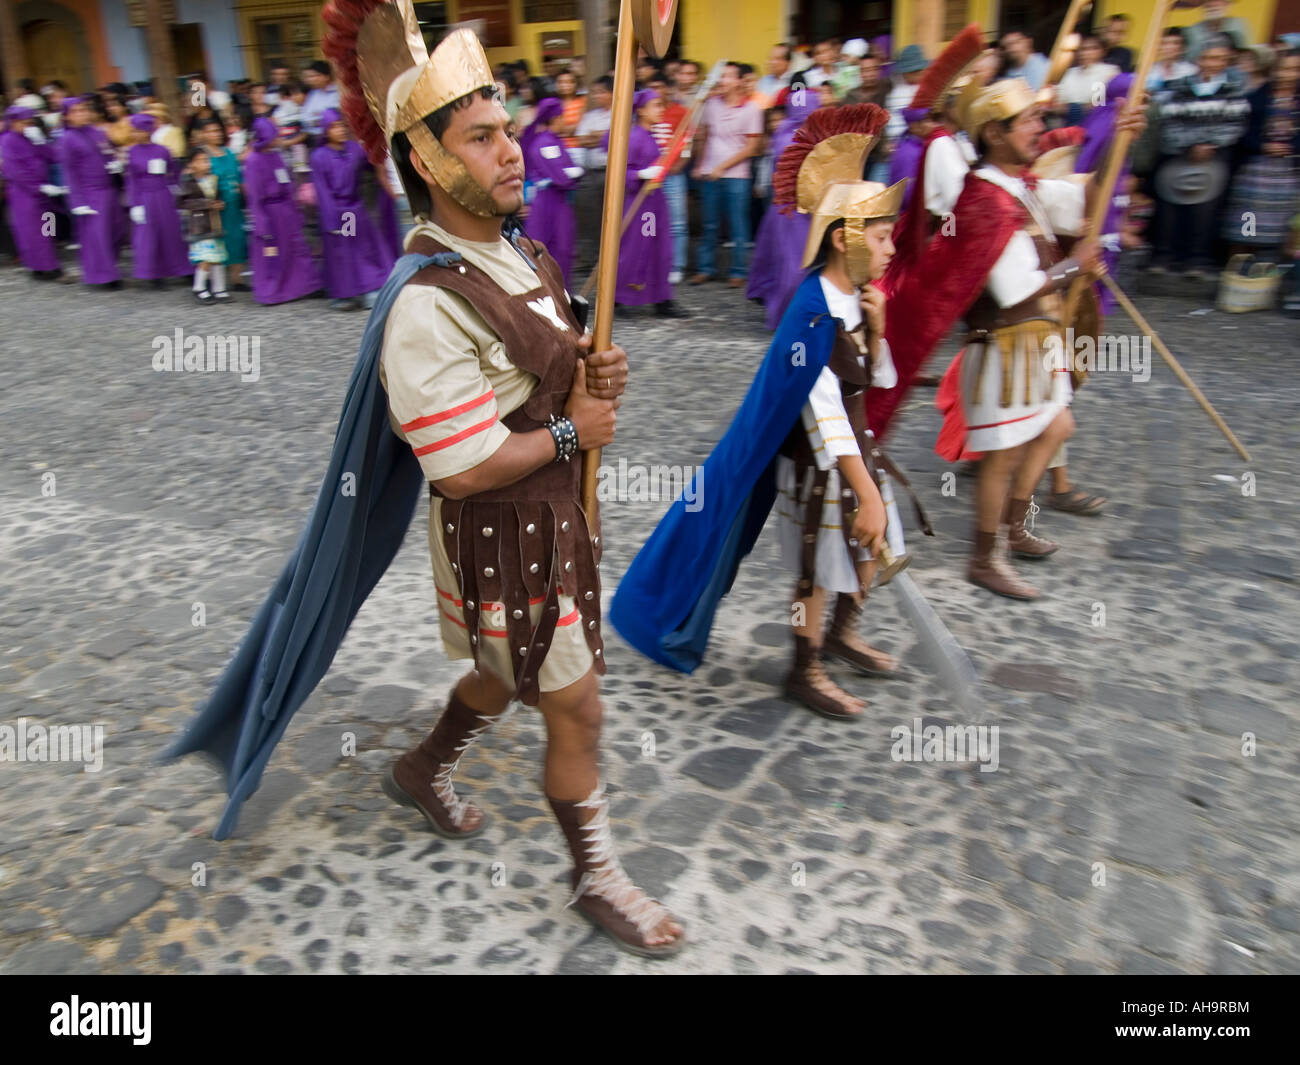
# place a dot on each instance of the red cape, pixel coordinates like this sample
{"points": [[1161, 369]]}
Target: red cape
{"points": [[940, 287]]}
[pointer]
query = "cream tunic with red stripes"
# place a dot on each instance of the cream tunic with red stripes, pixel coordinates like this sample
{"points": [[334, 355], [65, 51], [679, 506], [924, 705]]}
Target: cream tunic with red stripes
{"points": [[1056, 207], [450, 382]]}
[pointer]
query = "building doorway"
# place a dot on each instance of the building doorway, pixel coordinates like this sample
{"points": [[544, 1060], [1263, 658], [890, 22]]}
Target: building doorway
{"points": [[52, 54]]}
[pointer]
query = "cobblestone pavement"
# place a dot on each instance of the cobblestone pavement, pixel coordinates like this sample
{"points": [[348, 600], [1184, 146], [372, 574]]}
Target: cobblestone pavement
{"points": [[1124, 830]]}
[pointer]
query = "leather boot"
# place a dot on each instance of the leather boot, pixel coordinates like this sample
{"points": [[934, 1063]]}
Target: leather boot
{"points": [[1020, 541], [422, 777], [807, 683], [602, 891], [844, 642], [989, 570]]}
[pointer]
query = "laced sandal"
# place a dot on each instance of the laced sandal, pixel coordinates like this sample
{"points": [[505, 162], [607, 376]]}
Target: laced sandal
{"points": [[422, 777], [1020, 541], [809, 684], [1076, 501], [844, 643], [603, 893], [990, 570]]}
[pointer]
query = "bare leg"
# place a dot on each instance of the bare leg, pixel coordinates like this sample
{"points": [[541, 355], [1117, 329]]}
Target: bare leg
{"points": [[991, 491], [1038, 453], [573, 719]]}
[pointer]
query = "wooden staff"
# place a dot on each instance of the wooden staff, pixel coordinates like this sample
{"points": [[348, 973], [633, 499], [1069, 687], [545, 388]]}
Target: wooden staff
{"points": [[1174, 364], [620, 130], [1119, 146], [654, 20], [1063, 50]]}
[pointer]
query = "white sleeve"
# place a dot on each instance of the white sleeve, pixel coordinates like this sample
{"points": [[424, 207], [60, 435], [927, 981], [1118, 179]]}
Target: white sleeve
{"points": [[945, 173], [884, 374], [1064, 203], [1016, 275], [828, 428]]}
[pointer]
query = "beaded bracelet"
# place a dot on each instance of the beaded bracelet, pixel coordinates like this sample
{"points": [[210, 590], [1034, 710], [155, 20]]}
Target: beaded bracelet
{"points": [[566, 438]]}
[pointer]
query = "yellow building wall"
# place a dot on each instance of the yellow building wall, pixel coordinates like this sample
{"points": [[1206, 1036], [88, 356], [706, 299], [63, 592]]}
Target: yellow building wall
{"points": [[1258, 15], [745, 31]]}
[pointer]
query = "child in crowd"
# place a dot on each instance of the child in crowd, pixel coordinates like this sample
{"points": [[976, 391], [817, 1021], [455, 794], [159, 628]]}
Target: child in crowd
{"points": [[203, 228]]}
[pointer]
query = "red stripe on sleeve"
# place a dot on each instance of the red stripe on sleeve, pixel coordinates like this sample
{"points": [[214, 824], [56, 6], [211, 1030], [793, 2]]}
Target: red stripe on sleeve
{"points": [[465, 433], [434, 419]]}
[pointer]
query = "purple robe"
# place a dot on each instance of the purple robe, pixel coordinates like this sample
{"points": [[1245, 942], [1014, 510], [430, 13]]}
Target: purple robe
{"points": [[157, 244], [26, 167], [289, 272], [550, 216], [906, 163], [390, 225], [357, 260], [645, 256], [1099, 130], [774, 270], [85, 151]]}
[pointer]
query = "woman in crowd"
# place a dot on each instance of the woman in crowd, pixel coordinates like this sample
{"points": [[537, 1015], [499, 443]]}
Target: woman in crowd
{"points": [[356, 261], [88, 164], [25, 166], [552, 174], [281, 259], [156, 242], [645, 256], [225, 165], [1265, 194]]}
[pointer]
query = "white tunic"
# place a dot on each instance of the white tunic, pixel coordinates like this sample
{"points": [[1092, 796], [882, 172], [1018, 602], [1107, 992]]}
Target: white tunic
{"points": [[947, 162], [1057, 207], [830, 436]]}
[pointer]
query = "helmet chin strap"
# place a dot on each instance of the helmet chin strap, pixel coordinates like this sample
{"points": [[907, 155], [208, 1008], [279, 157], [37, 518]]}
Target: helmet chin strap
{"points": [[451, 174]]}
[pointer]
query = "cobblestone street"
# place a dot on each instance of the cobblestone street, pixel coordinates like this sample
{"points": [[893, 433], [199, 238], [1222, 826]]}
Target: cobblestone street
{"points": [[1124, 831]]}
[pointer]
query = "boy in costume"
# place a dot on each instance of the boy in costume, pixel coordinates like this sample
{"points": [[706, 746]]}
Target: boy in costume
{"points": [[800, 436]]}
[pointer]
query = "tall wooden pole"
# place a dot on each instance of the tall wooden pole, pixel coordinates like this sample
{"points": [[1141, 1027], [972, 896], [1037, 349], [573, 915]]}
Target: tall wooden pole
{"points": [[11, 49], [1120, 142], [1057, 62], [162, 59], [620, 132]]}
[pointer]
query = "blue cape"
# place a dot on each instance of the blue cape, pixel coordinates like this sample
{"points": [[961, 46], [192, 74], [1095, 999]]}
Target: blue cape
{"points": [[356, 526], [666, 601]]}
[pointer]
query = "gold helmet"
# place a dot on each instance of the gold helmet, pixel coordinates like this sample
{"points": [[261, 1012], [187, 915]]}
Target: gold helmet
{"points": [[996, 103], [857, 203], [391, 84]]}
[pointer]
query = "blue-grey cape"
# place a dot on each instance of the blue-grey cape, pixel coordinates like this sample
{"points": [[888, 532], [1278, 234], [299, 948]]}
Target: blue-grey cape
{"points": [[364, 508], [666, 601]]}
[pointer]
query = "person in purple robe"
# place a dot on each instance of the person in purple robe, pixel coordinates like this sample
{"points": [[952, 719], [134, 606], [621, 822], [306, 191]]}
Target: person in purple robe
{"points": [[357, 259], [25, 166], [157, 244], [552, 174], [906, 160], [774, 271], [1099, 129], [281, 258], [92, 194], [387, 216], [645, 255]]}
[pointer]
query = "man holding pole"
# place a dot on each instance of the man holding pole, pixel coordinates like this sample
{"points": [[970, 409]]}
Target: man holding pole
{"points": [[492, 388], [485, 372]]}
